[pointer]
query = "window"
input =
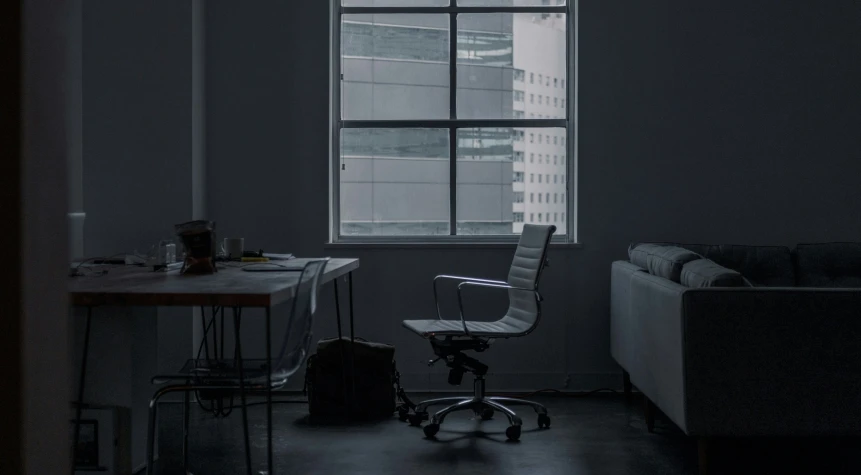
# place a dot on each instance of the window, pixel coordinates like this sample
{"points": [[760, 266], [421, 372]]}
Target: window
{"points": [[563, 141], [555, 140], [548, 217], [548, 139], [554, 159], [563, 103], [563, 217], [417, 150], [540, 158], [554, 179], [539, 217], [555, 217], [547, 200], [532, 197], [532, 177], [539, 197], [562, 160], [539, 98], [555, 196], [531, 158], [548, 177], [563, 198], [539, 181], [555, 102], [563, 84], [539, 138], [555, 82], [532, 217]]}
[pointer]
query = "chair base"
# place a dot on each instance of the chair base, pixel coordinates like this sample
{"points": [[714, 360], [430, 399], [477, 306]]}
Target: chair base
{"points": [[482, 405]]}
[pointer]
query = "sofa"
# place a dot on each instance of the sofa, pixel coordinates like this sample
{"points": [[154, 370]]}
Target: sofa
{"points": [[731, 340]]}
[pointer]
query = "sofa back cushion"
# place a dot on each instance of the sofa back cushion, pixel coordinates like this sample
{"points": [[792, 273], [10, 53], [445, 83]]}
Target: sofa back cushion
{"points": [[708, 273], [763, 266], [833, 264], [638, 254]]}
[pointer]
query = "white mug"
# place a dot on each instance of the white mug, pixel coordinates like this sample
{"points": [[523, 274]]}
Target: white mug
{"points": [[233, 247]]}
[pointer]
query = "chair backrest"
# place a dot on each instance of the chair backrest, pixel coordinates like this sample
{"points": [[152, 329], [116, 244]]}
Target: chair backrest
{"points": [[529, 260], [298, 334]]}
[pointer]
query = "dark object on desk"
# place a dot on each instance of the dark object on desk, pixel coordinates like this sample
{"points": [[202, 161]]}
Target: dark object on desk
{"points": [[198, 239], [376, 379]]}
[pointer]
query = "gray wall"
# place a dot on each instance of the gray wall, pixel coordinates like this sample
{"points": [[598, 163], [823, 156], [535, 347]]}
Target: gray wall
{"points": [[724, 122]]}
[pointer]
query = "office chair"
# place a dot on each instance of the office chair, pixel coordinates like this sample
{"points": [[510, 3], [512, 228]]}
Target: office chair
{"points": [[450, 338], [213, 378]]}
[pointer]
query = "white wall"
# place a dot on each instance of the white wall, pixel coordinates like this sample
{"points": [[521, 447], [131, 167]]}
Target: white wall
{"points": [[729, 122]]}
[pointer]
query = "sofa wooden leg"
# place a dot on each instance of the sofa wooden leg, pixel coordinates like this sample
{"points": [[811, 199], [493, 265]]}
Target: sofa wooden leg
{"points": [[649, 413], [627, 386], [703, 455]]}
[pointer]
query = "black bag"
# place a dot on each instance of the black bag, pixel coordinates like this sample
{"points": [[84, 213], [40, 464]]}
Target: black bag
{"points": [[376, 379]]}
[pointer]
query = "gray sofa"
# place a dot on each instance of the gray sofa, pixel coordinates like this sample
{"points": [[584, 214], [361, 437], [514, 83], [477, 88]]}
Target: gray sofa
{"points": [[731, 340]]}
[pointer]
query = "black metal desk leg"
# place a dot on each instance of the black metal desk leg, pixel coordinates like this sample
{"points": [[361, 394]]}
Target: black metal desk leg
{"points": [[269, 390], [238, 351], [352, 340], [345, 389], [80, 402]]}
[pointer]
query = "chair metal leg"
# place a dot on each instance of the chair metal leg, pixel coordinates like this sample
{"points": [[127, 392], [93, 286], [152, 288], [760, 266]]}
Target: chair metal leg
{"points": [[186, 418], [269, 390], [238, 352], [422, 406], [512, 417], [540, 409], [80, 402], [461, 406]]}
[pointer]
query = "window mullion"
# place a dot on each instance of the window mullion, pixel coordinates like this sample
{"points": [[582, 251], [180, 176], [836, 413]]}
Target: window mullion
{"points": [[452, 131]]}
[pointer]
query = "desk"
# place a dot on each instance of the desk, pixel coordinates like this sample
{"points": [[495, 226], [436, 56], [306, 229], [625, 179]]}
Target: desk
{"points": [[229, 287]]}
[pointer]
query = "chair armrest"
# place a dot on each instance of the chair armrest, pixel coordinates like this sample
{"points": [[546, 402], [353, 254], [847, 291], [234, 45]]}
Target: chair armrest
{"points": [[491, 285], [460, 278]]}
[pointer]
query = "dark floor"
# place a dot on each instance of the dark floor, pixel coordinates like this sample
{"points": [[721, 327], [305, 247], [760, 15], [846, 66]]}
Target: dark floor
{"points": [[597, 434]]}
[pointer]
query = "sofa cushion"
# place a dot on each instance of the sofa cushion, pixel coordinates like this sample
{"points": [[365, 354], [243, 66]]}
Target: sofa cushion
{"points": [[708, 273], [667, 262], [834, 264], [638, 254]]}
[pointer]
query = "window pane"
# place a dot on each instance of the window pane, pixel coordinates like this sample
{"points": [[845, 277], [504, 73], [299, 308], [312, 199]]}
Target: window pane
{"points": [[395, 66], [395, 3], [493, 49], [394, 182], [491, 184]]}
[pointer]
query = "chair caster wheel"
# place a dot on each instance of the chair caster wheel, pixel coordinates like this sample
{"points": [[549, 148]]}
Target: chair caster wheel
{"points": [[543, 421], [403, 414], [431, 430], [513, 433], [486, 414], [417, 418]]}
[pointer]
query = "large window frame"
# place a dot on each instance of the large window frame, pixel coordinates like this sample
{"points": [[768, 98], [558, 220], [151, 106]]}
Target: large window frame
{"points": [[569, 123]]}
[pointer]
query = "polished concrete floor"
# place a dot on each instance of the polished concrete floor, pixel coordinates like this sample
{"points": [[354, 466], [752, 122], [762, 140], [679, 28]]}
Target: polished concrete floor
{"points": [[596, 434]]}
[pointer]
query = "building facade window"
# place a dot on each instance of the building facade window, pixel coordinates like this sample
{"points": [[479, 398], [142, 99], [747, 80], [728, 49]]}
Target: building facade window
{"points": [[421, 124], [532, 197]]}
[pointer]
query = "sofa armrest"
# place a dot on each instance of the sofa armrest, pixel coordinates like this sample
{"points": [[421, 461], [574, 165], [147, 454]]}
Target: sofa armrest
{"points": [[775, 361]]}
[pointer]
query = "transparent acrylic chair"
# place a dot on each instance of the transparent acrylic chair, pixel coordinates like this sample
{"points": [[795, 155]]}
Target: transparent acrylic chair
{"points": [[214, 378]]}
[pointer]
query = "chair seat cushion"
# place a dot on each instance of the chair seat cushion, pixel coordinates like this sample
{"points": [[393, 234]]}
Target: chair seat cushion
{"points": [[506, 327]]}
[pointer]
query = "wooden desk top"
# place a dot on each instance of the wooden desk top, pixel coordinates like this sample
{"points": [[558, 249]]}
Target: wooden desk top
{"points": [[229, 287]]}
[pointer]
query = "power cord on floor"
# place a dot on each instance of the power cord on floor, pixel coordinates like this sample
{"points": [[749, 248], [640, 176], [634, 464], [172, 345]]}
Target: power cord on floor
{"points": [[555, 392]]}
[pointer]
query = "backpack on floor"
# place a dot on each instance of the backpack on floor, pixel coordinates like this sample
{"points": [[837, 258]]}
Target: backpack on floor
{"points": [[376, 379]]}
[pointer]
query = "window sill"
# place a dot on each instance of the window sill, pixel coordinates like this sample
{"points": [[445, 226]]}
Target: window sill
{"points": [[439, 245]]}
